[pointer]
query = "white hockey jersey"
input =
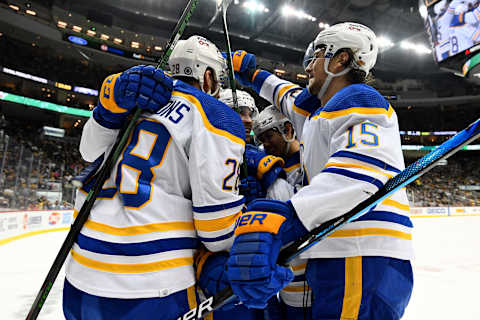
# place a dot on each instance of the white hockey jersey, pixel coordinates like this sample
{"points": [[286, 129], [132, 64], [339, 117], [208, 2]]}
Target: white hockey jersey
{"points": [[464, 32], [350, 148], [442, 47], [174, 186]]}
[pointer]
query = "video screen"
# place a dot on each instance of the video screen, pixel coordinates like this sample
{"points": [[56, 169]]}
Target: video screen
{"points": [[453, 26]]}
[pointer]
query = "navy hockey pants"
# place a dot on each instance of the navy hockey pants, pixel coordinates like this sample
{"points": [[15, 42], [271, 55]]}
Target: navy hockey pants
{"points": [[356, 288]]}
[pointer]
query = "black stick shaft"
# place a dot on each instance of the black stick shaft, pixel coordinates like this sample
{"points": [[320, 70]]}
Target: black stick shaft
{"points": [[102, 177]]}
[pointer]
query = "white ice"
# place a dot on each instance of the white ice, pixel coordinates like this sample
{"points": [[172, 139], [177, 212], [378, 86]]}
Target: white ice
{"points": [[447, 272]]}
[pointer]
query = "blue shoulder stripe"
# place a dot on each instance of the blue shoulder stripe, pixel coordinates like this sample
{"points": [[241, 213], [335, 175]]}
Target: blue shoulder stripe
{"points": [[367, 159], [260, 79], [135, 249], [218, 207], [386, 216], [218, 114], [356, 176], [220, 238], [355, 96]]}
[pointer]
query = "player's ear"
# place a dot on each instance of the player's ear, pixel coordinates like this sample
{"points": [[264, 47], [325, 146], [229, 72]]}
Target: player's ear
{"points": [[207, 81], [341, 61]]}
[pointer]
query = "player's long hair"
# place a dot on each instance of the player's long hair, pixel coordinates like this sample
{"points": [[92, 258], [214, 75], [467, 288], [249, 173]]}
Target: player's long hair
{"points": [[356, 75]]}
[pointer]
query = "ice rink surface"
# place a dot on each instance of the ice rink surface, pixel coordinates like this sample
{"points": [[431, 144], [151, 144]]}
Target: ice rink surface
{"points": [[447, 272]]}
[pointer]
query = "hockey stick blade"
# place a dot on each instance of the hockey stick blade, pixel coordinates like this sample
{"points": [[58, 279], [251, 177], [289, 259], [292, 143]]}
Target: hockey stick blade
{"points": [[411, 173], [103, 174]]}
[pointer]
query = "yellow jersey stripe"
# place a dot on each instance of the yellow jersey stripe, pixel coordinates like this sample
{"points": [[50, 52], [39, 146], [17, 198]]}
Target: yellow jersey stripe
{"points": [[371, 232], [353, 288], [136, 230], [359, 166], [216, 224], [291, 168], [300, 111], [282, 91], [207, 123], [131, 268], [359, 110], [396, 204]]}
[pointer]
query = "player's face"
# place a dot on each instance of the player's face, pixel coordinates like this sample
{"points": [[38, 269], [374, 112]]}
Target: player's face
{"points": [[246, 115], [316, 73], [273, 142]]}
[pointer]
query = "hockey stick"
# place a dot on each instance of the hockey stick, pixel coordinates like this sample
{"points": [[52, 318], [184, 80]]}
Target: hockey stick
{"points": [[411, 173], [102, 176]]}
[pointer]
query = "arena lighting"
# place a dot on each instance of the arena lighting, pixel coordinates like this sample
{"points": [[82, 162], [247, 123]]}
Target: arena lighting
{"points": [[323, 25], [384, 42], [158, 48], [280, 71], [135, 44], [302, 76], [31, 12], [418, 48], [91, 33], [61, 24], [104, 36], [43, 104], [14, 7], [290, 11], [255, 6], [77, 29], [117, 40]]}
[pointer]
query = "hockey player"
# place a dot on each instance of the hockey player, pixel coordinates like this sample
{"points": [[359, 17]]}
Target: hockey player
{"points": [[442, 22], [173, 189], [351, 147], [276, 133], [266, 178], [464, 31], [248, 109]]}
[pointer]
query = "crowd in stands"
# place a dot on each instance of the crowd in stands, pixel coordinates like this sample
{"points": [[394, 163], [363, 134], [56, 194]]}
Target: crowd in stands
{"points": [[37, 170], [451, 185]]}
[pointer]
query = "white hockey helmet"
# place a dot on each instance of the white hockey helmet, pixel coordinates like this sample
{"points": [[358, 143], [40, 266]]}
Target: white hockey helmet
{"points": [[244, 99], [360, 39], [271, 118], [192, 57]]}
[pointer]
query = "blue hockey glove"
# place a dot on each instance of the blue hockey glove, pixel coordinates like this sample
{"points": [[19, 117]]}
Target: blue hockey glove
{"points": [[244, 65], [266, 168], [251, 188], [260, 232], [211, 276], [142, 86]]}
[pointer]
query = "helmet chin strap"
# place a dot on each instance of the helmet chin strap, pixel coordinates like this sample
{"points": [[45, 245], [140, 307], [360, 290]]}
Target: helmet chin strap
{"points": [[330, 76], [288, 141]]}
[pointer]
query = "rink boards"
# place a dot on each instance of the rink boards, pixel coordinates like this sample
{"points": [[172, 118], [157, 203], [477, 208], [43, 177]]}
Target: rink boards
{"points": [[19, 224]]}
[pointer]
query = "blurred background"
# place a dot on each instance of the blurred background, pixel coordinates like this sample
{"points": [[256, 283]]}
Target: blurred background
{"points": [[54, 55]]}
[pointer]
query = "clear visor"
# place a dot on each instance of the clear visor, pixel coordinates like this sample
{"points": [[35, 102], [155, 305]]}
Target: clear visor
{"points": [[309, 55]]}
